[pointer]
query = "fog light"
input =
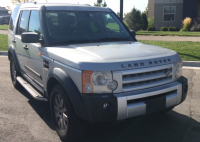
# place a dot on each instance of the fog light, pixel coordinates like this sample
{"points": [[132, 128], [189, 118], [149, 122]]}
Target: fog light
{"points": [[106, 106]]}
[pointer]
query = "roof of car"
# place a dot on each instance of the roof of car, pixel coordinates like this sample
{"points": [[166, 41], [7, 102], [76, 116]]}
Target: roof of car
{"points": [[66, 6]]}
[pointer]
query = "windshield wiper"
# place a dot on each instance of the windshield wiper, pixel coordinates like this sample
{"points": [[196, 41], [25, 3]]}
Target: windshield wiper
{"points": [[71, 41], [115, 39]]}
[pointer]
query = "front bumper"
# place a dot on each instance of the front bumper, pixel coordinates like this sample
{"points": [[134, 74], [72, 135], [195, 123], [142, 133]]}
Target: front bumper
{"points": [[135, 103]]}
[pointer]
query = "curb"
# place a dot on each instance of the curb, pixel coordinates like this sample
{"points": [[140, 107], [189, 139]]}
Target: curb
{"points": [[191, 63], [3, 53], [185, 63]]}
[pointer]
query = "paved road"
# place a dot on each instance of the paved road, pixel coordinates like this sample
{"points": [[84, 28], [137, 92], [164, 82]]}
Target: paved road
{"points": [[23, 119], [3, 32], [168, 38]]}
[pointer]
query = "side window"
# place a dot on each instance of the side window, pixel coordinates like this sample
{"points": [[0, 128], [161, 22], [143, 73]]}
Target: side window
{"points": [[34, 22], [23, 21]]}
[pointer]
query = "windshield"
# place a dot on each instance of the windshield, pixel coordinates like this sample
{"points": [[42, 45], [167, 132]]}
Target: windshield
{"points": [[83, 26]]}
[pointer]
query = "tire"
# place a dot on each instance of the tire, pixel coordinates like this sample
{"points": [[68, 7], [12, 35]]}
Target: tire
{"points": [[14, 73], [67, 124]]}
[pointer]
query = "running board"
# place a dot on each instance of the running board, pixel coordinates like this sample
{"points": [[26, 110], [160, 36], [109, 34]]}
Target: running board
{"points": [[35, 94]]}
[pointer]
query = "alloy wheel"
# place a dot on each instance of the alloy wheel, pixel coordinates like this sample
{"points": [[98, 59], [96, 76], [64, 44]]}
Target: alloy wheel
{"points": [[60, 112]]}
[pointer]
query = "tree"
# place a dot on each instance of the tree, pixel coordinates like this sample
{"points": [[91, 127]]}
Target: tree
{"points": [[118, 14], [144, 21], [146, 11], [99, 3], [134, 20], [17, 2]]}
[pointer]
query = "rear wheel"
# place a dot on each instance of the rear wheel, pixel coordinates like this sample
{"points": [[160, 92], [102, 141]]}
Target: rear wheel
{"points": [[14, 73], [68, 125]]}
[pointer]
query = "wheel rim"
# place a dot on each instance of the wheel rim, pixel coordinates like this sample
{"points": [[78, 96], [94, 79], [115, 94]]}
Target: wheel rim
{"points": [[60, 112], [13, 71]]}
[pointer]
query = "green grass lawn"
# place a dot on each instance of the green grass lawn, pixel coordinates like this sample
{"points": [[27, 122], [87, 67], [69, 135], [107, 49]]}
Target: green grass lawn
{"points": [[189, 51], [3, 42], [3, 27], [160, 33]]}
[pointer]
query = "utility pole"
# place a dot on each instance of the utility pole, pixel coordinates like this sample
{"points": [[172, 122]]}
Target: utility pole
{"points": [[121, 9]]}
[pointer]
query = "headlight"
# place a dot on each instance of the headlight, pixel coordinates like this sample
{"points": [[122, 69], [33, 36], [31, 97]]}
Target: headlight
{"points": [[98, 82], [178, 69]]}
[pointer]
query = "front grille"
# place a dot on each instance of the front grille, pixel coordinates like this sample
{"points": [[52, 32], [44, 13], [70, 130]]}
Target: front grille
{"points": [[147, 77]]}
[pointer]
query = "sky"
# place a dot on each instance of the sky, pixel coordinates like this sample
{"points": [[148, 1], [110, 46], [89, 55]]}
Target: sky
{"points": [[113, 4]]}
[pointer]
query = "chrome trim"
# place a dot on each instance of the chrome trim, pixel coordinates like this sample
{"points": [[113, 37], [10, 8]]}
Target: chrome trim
{"points": [[148, 94], [130, 88], [117, 75], [150, 77], [32, 71], [135, 109], [129, 80], [127, 72], [33, 83], [31, 90]]}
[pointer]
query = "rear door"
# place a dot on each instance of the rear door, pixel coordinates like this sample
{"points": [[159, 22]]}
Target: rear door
{"points": [[20, 48]]}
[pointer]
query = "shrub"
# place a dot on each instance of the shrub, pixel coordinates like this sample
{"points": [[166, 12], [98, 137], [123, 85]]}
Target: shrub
{"points": [[173, 29], [186, 24], [151, 29], [134, 20], [163, 28], [144, 21], [196, 25], [151, 22]]}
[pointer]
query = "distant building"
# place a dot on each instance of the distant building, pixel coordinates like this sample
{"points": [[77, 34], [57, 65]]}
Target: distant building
{"points": [[3, 11], [173, 12]]}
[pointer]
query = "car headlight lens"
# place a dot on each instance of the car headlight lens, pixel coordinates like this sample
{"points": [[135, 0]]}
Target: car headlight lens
{"points": [[112, 85], [98, 82], [178, 69], [101, 78]]}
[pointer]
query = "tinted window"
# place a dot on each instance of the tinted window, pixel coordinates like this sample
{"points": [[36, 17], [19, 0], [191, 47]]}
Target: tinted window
{"points": [[34, 22], [22, 26], [13, 18]]}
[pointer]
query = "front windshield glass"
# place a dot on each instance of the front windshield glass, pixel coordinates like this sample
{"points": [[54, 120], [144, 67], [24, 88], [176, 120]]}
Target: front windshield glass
{"points": [[83, 26]]}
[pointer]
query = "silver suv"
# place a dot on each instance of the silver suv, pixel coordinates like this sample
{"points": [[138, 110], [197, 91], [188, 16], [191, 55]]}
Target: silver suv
{"points": [[89, 66]]}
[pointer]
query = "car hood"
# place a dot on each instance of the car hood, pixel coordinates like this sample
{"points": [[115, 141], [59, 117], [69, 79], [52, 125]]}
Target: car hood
{"points": [[111, 56]]}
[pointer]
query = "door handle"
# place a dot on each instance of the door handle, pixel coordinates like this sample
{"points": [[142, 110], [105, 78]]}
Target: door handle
{"points": [[14, 40], [25, 47]]}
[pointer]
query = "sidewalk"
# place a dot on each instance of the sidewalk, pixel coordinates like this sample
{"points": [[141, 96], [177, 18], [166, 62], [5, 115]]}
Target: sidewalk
{"points": [[4, 32], [168, 38]]}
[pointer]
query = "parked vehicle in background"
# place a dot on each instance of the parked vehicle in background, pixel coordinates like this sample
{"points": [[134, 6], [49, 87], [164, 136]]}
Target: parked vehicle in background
{"points": [[89, 66], [4, 20]]}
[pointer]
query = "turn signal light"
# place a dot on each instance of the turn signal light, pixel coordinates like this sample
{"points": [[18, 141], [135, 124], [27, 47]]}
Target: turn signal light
{"points": [[87, 82]]}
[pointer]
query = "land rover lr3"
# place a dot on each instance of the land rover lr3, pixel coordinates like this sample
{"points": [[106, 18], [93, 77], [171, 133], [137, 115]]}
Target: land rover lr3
{"points": [[89, 66]]}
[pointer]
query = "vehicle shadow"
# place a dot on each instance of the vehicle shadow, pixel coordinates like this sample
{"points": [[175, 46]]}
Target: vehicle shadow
{"points": [[166, 127], [40, 107]]}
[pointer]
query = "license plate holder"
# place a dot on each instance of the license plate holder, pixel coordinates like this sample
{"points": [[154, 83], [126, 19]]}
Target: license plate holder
{"points": [[155, 104]]}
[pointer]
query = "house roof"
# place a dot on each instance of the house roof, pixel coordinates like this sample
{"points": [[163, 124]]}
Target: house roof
{"points": [[3, 9]]}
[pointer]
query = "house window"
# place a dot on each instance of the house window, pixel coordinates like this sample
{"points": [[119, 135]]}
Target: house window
{"points": [[169, 13]]}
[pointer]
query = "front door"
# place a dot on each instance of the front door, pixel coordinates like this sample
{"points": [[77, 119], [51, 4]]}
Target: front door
{"points": [[20, 48], [34, 66]]}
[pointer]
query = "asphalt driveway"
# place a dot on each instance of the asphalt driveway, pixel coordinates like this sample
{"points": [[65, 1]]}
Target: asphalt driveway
{"points": [[23, 119]]}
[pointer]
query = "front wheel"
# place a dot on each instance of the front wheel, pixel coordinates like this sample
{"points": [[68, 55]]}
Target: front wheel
{"points": [[68, 125], [14, 73]]}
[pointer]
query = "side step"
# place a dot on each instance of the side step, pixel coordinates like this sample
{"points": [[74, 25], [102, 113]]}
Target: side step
{"points": [[35, 94]]}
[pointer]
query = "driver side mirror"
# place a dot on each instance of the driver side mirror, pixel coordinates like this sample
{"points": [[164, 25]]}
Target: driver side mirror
{"points": [[30, 37], [133, 34]]}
